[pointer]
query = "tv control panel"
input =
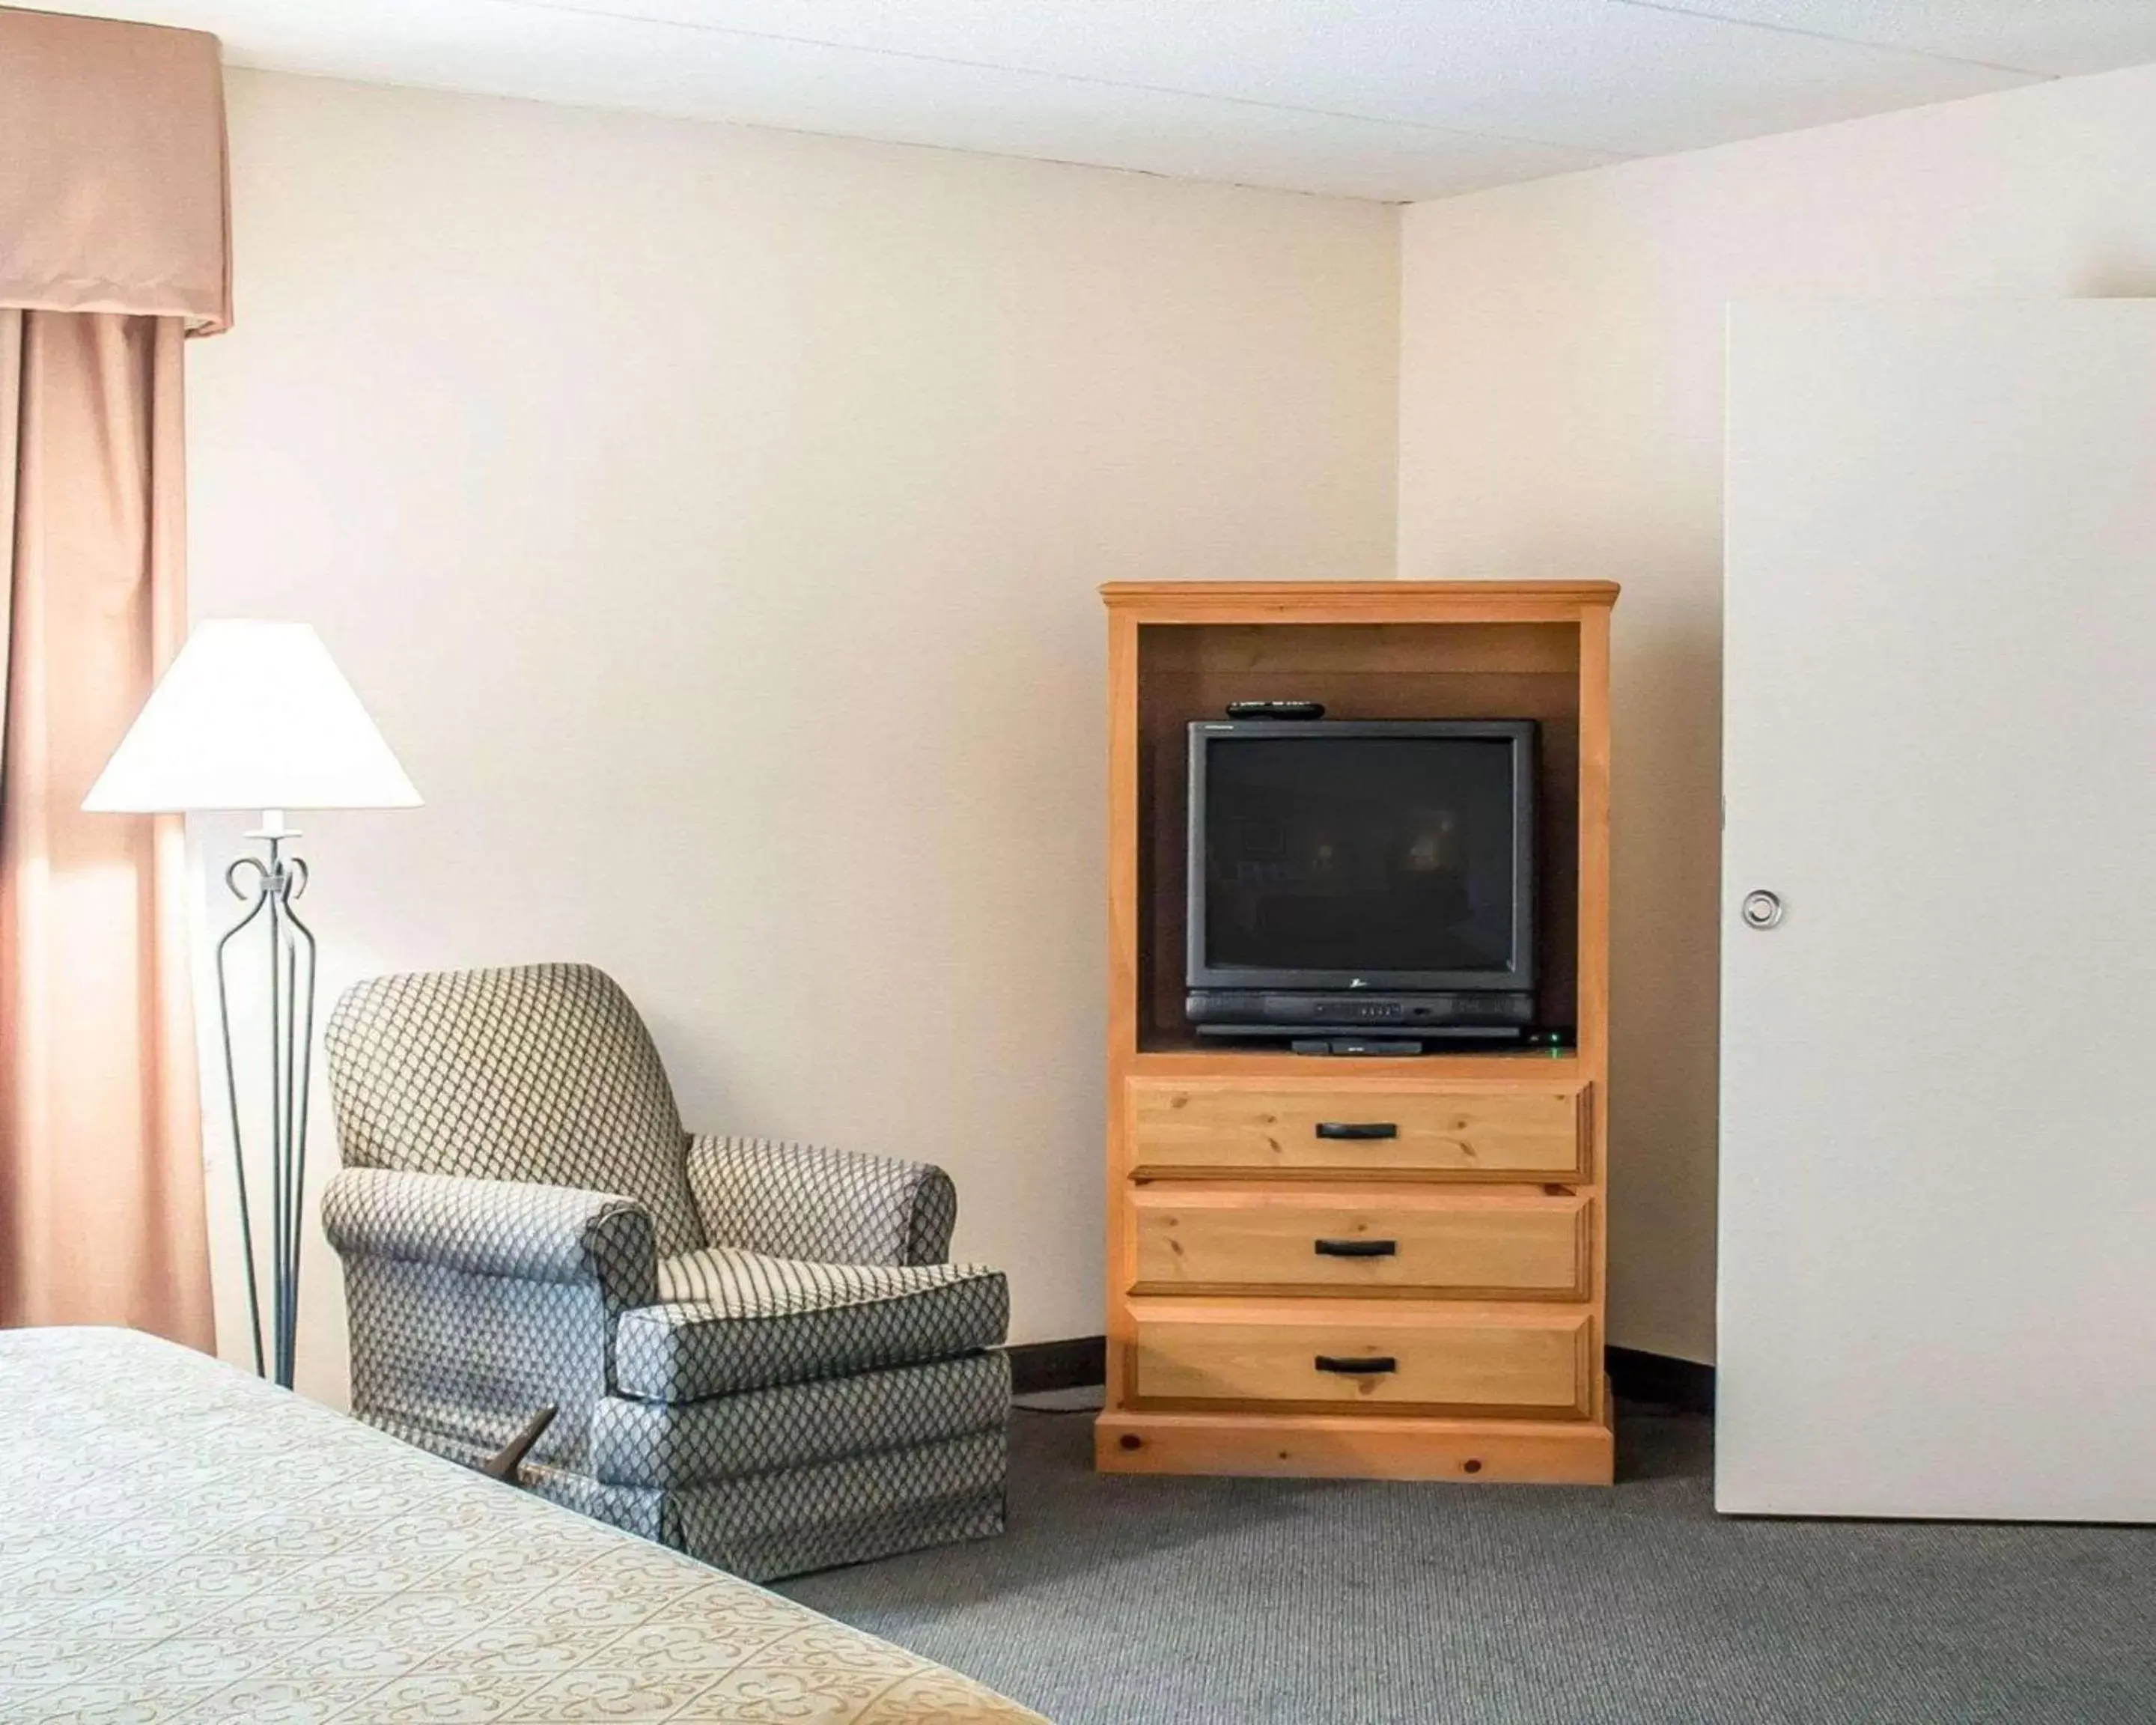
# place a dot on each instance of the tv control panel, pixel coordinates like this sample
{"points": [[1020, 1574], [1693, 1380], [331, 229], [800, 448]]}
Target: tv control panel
{"points": [[1327, 1009]]}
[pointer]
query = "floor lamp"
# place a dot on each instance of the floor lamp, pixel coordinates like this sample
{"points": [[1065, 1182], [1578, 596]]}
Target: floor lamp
{"points": [[256, 715]]}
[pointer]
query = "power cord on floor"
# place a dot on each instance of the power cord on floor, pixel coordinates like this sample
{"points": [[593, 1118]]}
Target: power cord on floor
{"points": [[1036, 1404]]}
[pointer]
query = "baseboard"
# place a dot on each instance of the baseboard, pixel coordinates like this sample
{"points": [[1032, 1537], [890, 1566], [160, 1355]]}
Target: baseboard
{"points": [[1081, 1362], [1638, 1376], [1077, 1363]]}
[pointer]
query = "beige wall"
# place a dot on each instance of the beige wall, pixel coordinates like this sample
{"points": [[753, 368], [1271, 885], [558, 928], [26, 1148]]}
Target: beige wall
{"points": [[711, 518], [1561, 416]]}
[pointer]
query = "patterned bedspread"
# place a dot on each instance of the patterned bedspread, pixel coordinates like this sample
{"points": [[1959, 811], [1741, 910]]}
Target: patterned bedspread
{"points": [[180, 1541]]}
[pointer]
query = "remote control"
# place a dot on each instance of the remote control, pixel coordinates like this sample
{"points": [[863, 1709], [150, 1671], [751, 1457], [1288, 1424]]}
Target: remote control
{"points": [[1275, 709]]}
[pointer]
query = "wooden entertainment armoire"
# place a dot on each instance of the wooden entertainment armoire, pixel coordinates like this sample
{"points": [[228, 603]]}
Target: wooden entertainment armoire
{"points": [[1459, 1333]]}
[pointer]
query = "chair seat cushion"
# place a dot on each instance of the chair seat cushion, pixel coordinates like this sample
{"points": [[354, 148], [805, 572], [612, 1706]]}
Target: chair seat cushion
{"points": [[730, 1321], [668, 1445]]}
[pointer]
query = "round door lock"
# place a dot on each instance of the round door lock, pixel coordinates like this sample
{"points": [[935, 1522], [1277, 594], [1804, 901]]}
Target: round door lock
{"points": [[1762, 909]]}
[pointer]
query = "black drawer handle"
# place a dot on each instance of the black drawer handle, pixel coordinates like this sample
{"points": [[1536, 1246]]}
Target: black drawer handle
{"points": [[1374, 1365], [1356, 1248], [1356, 1129]]}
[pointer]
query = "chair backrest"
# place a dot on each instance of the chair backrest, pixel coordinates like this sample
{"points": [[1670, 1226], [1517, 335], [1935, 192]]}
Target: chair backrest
{"points": [[543, 1073]]}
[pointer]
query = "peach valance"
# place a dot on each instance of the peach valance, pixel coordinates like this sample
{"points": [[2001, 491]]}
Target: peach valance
{"points": [[112, 170]]}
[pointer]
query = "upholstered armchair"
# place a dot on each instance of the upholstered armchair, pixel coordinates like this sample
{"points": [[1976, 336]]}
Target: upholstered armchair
{"points": [[757, 1352]]}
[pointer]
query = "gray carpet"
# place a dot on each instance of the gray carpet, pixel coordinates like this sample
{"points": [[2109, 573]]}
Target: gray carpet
{"points": [[1118, 1601]]}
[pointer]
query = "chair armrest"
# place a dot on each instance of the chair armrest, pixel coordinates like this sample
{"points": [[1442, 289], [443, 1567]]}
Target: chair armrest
{"points": [[505, 1228], [829, 1206]]}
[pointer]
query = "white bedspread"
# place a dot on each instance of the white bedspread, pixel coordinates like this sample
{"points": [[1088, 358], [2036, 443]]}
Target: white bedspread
{"points": [[180, 1541]]}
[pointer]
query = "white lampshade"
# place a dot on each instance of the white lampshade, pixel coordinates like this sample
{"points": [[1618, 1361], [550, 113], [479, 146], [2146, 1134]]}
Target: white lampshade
{"points": [[251, 716]]}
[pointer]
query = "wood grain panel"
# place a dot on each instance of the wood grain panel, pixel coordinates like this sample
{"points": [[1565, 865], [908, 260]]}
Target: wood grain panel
{"points": [[1378, 1241], [1357, 602], [1281, 1128], [1356, 1446], [1517, 1359], [1422, 650]]}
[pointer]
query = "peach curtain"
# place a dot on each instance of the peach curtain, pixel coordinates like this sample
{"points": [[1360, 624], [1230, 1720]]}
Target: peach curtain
{"points": [[112, 250], [112, 172]]}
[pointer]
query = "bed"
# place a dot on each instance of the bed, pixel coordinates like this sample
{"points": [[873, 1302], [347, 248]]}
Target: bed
{"points": [[179, 1541]]}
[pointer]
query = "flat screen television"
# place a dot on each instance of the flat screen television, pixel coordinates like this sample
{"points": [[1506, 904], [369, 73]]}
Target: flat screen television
{"points": [[1363, 877]]}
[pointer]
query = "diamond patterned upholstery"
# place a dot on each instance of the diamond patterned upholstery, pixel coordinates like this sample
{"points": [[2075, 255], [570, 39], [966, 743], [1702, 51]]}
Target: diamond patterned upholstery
{"points": [[756, 1353], [799, 1201], [662, 1444], [736, 1320], [782, 1523], [482, 1300], [544, 1073], [496, 1228]]}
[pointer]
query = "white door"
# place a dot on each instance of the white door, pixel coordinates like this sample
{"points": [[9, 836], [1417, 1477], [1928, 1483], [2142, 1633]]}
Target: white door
{"points": [[1938, 1070]]}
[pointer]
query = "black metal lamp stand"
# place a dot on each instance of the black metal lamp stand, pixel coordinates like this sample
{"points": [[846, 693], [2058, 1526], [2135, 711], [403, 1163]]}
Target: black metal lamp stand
{"points": [[268, 894]]}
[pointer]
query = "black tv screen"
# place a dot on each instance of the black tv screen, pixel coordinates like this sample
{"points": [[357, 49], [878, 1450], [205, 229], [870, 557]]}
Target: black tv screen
{"points": [[1384, 854]]}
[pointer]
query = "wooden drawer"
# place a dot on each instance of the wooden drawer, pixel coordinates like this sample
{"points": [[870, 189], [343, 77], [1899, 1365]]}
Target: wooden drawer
{"points": [[1402, 1240], [1223, 1127], [1518, 1360]]}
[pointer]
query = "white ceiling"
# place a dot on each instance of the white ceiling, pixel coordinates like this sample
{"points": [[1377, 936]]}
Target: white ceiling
{"points": [[1384, 99]]}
